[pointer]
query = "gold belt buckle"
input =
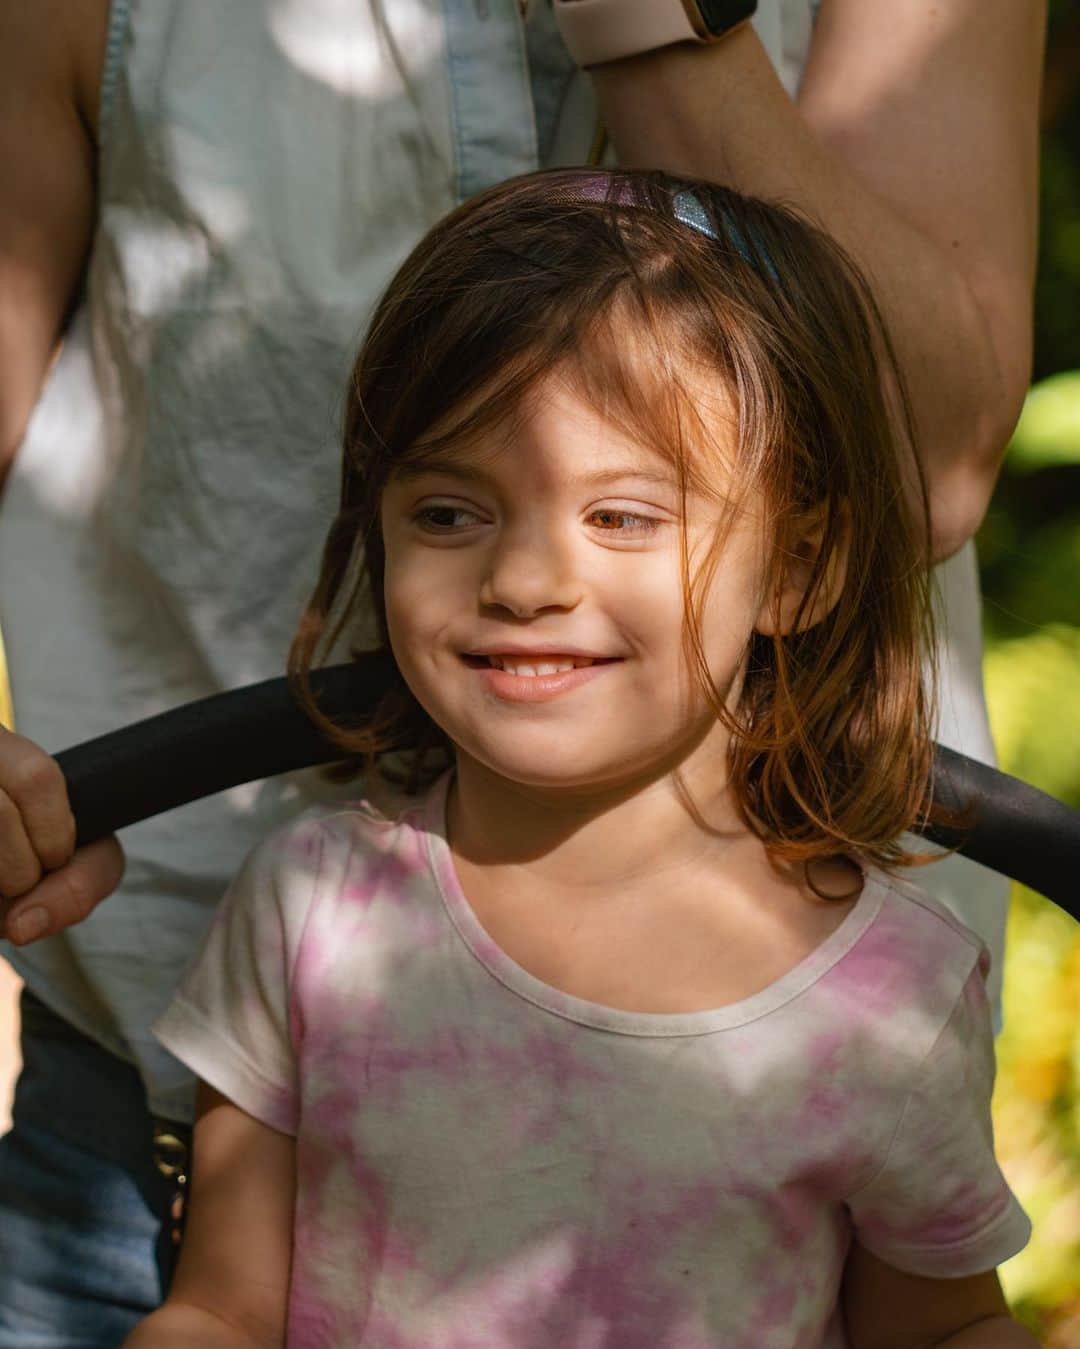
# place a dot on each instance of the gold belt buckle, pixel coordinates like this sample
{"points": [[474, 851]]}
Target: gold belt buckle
{"points": [[170, 1154], [171, 1160]]}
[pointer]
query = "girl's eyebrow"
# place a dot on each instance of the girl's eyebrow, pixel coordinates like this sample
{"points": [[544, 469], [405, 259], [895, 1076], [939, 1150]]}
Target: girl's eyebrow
{"points": [[474, 473]]}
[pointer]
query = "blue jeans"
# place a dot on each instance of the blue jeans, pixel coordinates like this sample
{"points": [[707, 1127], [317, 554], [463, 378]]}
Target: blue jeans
{"points": [[86, 1246]]}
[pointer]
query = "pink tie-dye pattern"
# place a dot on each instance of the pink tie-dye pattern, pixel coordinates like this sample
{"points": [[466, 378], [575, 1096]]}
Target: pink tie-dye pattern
{"points": [[873, 978], [770, 1312], [479, 1171], [966, 1203], [386, 876]]}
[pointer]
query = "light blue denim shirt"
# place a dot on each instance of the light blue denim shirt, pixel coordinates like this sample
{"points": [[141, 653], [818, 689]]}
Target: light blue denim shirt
{"points": [[264, 169]]}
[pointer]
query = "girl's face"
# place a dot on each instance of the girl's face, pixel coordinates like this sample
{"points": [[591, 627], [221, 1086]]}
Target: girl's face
{"points": [[534, 599]]}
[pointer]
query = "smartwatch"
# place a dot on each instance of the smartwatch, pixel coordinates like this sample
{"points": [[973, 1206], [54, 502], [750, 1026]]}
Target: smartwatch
{"points": [[596, 31]]}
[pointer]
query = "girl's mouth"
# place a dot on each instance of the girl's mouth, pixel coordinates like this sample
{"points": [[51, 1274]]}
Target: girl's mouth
{"points": [[536, 678], [531, 666]]}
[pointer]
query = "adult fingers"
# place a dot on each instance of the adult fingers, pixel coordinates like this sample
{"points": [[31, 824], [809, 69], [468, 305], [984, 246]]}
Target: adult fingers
{"points": [[32, 782], [20, 866], [68, 895]]}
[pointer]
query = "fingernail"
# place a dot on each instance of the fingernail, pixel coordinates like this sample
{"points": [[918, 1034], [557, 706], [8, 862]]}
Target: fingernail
{"points": [[30, 925]]}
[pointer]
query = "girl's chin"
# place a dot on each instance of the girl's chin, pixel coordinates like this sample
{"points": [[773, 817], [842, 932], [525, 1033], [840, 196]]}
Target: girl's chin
{"points": [[562, 774]]}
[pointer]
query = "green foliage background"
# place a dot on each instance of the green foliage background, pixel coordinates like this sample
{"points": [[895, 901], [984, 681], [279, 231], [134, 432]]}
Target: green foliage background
{"points": [[1029, 553]]}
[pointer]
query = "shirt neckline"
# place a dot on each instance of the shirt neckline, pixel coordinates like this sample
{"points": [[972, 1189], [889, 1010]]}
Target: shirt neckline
{"points": [[598, 1015]]}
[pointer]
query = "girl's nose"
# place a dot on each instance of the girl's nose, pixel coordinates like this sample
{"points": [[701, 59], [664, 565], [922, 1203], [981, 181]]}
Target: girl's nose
{"points": [[527, 574]]}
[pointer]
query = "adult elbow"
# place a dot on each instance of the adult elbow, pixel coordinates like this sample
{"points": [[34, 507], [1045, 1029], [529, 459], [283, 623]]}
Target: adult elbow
{"points": [[979, 406], [960, 484], [955, 516], [958, 498]]}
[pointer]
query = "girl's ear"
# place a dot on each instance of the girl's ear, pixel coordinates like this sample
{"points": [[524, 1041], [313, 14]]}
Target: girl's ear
{"points": [[780, 614]]}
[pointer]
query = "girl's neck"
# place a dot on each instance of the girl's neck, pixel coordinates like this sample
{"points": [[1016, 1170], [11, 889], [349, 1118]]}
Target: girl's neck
{"points": [[584, 841]]}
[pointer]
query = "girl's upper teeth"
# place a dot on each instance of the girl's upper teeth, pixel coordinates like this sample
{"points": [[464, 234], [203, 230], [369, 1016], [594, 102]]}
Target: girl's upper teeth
{"points": [[520, 665]]}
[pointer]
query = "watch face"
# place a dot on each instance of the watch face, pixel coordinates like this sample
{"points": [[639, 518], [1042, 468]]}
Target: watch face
{"points": [[721, 15]]}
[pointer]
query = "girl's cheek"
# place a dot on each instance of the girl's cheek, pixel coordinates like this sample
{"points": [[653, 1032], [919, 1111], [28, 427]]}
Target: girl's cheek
{"points": [[401, 591], [417, 599]]}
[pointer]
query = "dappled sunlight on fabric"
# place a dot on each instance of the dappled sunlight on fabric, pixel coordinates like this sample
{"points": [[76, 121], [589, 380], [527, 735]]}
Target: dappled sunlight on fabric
{"points": [[328, 43], [169, 263], [64, 486]]}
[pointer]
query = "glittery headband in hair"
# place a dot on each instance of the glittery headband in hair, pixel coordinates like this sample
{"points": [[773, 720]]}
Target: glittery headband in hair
{"points": [[685, 206]]}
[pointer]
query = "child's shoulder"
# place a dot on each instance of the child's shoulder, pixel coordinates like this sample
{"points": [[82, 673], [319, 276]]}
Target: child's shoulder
{"points": [[918, 908], [376, 821], [922, 936], [912, 981]]}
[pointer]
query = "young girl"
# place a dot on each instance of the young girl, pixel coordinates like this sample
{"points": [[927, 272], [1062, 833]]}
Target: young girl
{"points": [[621, 1035]]}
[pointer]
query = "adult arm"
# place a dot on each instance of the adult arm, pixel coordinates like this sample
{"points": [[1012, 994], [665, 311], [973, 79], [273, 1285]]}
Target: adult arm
{"points": [[50, 63], [230, 1290], [50, 56], [914, 142]]}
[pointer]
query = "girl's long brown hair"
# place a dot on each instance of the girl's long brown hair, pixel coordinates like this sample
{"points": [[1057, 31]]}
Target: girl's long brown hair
{"points": [[830, 751]]}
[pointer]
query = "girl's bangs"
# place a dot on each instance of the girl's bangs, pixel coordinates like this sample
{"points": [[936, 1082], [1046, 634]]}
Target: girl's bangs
{"points": [[484, 416], [644, 379]]}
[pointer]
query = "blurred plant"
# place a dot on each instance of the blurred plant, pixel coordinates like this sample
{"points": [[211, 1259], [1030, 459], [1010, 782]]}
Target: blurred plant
{"points": [[1048, 431], [1036, 1117], [1027, 676], [1029, 552], [1029, 549]]}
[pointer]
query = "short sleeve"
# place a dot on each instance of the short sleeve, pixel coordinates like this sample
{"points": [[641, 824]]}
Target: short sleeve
{"points": [[229, 1021], [939, 1205]]}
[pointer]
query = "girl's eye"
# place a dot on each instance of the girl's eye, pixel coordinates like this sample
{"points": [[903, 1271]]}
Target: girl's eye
{"points": [[611, 520], [439, 518]]}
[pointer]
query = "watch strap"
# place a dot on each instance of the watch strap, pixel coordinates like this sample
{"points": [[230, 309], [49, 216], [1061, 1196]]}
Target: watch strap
{"points": [[596, 31], [605, 30]]}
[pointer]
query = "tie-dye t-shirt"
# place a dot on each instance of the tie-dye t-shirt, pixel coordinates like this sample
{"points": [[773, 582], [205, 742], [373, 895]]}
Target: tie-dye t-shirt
{"points": [[485, 1162]]}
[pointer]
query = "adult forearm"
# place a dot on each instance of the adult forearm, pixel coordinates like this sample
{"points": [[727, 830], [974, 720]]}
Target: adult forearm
{"points": [[721, 113], [48, 108], [997, 1332]]}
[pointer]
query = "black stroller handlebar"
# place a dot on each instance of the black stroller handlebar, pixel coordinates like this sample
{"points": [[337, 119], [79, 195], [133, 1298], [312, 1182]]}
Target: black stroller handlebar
{"points": [[259, 731]]}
